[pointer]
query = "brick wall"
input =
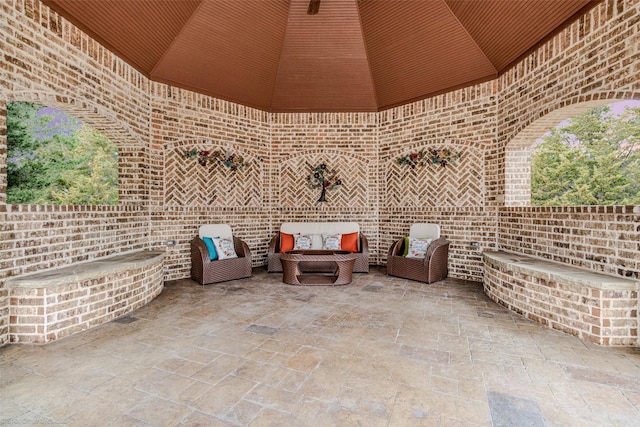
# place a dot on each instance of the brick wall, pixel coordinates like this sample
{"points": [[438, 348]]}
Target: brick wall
{"points": [[454, 196], [192, 195], [47, 60], [598, 238], [345, 142]]}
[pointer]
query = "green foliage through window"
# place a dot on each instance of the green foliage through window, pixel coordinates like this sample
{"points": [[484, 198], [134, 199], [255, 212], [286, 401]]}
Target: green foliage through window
{"points": [[592, 159], [53, 158]]}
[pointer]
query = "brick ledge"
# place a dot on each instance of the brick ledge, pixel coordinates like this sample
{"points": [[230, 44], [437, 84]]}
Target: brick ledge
{"points": [[557, 272], [51, 278]]}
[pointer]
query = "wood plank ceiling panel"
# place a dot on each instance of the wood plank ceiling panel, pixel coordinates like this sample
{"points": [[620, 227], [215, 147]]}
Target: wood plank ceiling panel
{"points": [[137, 31], [415, 50], [354, 55], [229, 49], [504, 30], [323, 65]]}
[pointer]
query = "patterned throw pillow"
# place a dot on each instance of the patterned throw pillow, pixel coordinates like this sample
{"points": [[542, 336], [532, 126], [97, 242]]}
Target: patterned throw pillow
{"points": [[302, 242], [224, 248], [418, 247], [331, 242]]}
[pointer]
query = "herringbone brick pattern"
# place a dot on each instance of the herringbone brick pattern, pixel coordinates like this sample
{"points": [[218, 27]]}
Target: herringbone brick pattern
{"points": [[353, 192], [188, 183], [457, 184]]}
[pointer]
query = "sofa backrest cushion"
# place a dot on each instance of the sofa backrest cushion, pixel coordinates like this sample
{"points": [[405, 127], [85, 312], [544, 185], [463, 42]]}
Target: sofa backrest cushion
{"points": [[320, 227], [215, 230], [424, 231]]}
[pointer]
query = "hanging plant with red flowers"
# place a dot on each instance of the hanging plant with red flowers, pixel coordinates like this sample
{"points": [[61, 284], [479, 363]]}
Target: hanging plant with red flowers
{"points": [[440, 156], [226, 159]]}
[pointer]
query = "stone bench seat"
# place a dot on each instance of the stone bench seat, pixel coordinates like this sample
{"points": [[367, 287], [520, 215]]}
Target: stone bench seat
{"points": [[53, 303], [593, 306]]}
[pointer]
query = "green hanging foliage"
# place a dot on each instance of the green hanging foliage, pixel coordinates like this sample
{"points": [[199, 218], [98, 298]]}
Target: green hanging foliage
{"points": [[593, 160], [53, 158]]}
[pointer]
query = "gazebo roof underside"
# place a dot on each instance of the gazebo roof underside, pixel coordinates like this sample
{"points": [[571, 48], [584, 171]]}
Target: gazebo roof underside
{"points": [[353, 55]]}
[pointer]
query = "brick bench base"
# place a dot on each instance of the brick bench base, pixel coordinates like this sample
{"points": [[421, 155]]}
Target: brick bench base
{"points": [[52, 304], [595, 307]]}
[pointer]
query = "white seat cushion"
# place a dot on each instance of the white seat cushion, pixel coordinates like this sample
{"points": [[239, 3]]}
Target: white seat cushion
{"points": [[215, 230], [424, 231], [418, 247]]}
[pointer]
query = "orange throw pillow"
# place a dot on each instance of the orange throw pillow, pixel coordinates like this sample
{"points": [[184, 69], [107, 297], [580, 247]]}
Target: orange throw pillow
{"points": [[349, 242], [286, 242]]}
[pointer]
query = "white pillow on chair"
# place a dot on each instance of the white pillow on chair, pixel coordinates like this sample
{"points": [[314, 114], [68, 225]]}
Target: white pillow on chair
{"points": [[418, 247], [224, 248], [424, 231]]}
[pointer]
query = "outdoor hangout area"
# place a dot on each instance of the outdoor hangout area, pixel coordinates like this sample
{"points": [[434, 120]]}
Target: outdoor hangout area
{"points": [[320, 212]]}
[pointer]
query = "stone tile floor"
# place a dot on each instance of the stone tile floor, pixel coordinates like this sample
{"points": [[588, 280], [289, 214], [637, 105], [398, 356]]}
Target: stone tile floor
{"points": [[382, 351]]}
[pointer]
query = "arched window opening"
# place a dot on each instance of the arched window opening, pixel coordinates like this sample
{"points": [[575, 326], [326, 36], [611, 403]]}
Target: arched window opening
{"points": [[54, 158], [583, 154], [592, 158]]}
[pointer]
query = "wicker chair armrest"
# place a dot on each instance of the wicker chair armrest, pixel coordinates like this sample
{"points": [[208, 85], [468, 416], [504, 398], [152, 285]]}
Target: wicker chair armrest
{"points": [[198, 247], [241, 248], [394, 249], [435, 252], [274, 244], [364, 245]]}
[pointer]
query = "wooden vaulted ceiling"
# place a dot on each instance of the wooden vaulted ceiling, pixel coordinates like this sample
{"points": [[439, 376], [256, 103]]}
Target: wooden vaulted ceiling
{"points": [[353, 55]]}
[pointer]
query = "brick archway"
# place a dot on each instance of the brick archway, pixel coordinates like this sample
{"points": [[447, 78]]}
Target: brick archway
{"points": [[87, 112], [518, 151], [132, 153]]}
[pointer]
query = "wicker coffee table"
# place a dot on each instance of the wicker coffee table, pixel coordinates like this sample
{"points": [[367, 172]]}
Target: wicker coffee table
{"points": [[342, 275]]}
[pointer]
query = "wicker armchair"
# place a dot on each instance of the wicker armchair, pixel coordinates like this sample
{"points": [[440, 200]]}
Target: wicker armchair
{"points": [[430, 269], [205, 271]]}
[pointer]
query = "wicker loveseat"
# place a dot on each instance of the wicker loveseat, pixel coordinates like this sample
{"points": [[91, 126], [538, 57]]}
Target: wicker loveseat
{"points": [[205, 271], [316, 230], [432, 267]]}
